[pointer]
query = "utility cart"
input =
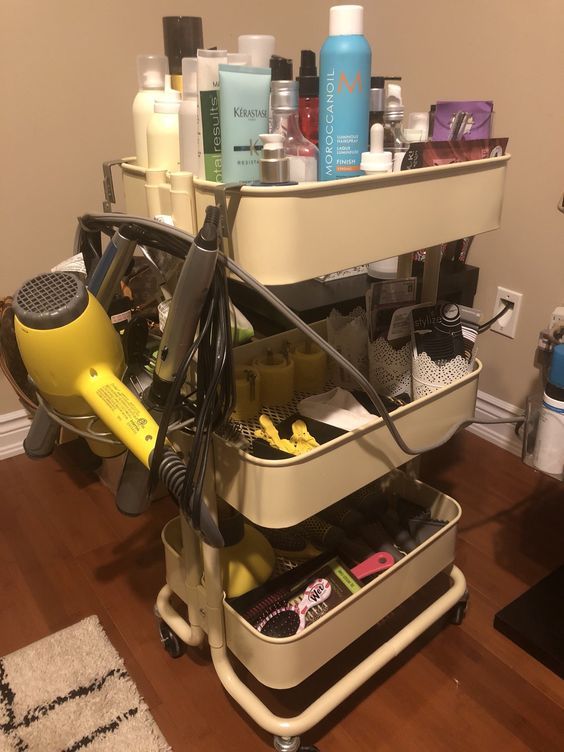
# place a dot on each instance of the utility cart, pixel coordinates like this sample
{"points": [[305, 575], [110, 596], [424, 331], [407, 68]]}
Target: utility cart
{"points": [[282, 235]]}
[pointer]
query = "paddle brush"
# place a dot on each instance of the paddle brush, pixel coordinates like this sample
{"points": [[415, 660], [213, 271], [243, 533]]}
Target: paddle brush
{"points": [[289, 619]]}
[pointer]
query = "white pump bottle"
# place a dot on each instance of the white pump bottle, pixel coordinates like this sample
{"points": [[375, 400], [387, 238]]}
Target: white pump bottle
{"points": [[151, 70]]}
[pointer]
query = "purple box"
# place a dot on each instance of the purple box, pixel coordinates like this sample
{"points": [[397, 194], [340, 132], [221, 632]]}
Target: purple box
{"points": [[462, 121]]}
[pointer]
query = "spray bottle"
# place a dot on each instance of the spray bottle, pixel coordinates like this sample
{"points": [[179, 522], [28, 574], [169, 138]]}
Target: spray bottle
{"points": [[308, 97], [151, 71], [344, 94], [302, 153]]}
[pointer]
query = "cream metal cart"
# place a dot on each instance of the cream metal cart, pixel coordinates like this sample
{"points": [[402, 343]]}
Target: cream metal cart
{"points": [[284, 235]]}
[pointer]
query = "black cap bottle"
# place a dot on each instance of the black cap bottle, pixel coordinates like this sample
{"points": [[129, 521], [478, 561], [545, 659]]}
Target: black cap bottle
{"points": [[183, 36], [376, 112], [282, 68], [308, 79], [308, 102]]}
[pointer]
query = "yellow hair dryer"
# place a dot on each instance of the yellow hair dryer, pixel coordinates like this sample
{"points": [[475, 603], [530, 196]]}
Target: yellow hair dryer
{"points": [[74, 357]]}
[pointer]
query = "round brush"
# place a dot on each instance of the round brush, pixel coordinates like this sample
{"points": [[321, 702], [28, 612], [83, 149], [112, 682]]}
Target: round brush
{"points": [[289, 543]]}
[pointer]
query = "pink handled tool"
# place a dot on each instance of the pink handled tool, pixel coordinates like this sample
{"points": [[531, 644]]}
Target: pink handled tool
{"points": [[376, 563]]}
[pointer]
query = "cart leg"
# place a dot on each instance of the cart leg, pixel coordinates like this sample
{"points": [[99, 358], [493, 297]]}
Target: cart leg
{"points": [[167, 614]]}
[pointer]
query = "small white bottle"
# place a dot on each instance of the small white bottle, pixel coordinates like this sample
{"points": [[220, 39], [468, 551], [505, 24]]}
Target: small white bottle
{"points": [[188, 117], [373, 162], [163, 144], [376, 160], [548, 454], [151, 71], [274, 164]]}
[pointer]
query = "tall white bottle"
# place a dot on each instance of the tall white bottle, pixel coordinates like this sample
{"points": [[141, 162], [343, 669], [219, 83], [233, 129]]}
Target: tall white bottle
{"points": [[151, 70], [373, 162], [188, 117], [163, 143]]}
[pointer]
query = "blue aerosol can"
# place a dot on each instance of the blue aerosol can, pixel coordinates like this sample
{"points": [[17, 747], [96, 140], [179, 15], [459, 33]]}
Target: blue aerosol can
{"points": [[344, 94]]}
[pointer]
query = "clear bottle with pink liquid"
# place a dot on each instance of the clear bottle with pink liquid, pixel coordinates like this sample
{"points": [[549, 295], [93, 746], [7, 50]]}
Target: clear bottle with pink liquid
{"points": [[303, 154]]}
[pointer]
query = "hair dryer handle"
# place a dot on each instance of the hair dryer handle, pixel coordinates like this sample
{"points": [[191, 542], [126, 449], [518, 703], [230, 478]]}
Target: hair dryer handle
{"points": [[42, 435], [120, 411], [132, 496]]}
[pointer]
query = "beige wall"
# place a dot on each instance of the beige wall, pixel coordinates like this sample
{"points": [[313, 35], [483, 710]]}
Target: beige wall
{"points": [[69, 79]]}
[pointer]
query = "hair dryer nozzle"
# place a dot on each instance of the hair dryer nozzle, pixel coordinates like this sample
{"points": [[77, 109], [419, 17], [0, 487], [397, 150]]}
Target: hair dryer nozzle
{"points": [[50, 301]]}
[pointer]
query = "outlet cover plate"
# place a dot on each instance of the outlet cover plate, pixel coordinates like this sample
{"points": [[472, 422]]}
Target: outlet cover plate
{"points": [[507, 324]]}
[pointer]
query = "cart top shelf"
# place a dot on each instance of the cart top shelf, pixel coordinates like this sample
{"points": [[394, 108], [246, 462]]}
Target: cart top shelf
{"points": [[287, 234]]}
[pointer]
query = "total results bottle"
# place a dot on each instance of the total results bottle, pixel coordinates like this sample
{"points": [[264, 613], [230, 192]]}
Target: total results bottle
{"points": [[344, 94]]}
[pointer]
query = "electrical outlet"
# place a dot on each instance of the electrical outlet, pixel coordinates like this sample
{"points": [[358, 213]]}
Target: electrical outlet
{"points": [[556, 327], [557, 318], [507, 324]]}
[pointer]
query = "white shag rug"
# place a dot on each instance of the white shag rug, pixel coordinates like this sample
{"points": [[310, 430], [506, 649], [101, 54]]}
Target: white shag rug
{"points": [[70, 692]]}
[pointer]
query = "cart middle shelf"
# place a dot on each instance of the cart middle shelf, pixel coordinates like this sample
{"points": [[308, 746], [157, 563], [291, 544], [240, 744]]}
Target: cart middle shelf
{"points": [[281, 493]]}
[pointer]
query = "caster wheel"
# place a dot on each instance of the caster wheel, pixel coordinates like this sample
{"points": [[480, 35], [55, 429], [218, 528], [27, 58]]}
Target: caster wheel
{"points": [[170, 641], [287, 743], [459, 611], [291, 744]]}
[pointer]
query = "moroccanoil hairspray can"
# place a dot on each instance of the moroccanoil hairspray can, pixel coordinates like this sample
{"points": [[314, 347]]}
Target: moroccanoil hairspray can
{"points": [[344, 94]]}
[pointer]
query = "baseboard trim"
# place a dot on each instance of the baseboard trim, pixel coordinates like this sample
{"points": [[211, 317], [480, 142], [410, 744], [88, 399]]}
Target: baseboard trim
{"points": [[500, 434], [13, 430], [15, 425]]}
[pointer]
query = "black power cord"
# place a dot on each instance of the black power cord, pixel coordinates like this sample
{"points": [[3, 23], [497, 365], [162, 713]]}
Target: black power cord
{"points": [[507, 305], [215, 395], [215, 392]]}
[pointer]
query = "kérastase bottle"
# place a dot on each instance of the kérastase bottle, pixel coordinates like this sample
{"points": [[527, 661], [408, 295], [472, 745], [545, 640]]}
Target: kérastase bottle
{"points": [[344, 94]]}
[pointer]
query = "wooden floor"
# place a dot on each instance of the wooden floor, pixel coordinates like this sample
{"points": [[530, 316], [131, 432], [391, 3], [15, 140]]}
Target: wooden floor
{"points": [[66, 553]]}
